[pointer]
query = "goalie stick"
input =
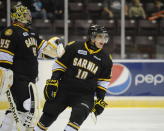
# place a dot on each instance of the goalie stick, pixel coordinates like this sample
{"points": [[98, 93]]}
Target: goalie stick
{"points": [[32, 117], [94, 117], [36, 102], [14, 111]]}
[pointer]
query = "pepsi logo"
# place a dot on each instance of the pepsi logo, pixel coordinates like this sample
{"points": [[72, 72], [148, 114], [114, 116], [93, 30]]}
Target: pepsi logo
{"points": [[121, 80]]}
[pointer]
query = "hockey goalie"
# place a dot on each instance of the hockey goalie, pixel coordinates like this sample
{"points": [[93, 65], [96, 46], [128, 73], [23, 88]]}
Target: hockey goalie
{"points": [[20, 48]]}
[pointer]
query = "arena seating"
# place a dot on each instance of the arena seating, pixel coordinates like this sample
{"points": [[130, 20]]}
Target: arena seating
{"points": [[148, 27], [140, 33]]}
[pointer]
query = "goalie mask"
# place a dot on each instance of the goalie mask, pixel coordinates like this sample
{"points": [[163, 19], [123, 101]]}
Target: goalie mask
{"points": [[20, 13], [98, 33]]}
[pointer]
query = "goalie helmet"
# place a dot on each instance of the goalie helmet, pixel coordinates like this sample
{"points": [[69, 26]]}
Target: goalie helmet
{"points": [[94, 30], [20, 13]]}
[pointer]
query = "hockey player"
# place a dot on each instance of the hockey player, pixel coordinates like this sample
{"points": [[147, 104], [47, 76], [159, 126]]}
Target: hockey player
{"points": [[83, 70], [19, 49]]}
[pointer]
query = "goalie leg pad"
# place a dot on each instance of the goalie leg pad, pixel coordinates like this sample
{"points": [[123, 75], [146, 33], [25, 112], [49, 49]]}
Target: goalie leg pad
{"points": [[8, 122], [6, 79]]}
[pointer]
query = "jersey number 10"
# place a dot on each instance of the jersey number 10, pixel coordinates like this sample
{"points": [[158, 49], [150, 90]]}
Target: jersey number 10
{"points": [[82, 74]]}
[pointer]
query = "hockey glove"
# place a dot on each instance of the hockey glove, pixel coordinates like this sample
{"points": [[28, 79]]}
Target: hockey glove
{"points": [[99, 106], [50, 89]]}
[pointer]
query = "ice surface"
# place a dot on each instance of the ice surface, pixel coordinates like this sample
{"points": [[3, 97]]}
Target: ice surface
{"points": [[117, 119]]}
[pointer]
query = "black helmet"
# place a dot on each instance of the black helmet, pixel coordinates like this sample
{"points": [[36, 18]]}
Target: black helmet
{"points": [[96, 29]]}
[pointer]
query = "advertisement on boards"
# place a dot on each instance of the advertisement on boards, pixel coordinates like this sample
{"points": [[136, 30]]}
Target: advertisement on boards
{"points": [[137, 79]]}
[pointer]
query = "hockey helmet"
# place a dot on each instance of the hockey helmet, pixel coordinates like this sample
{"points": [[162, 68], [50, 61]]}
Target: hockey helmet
{"points": [[95, 29], [21, 14]]}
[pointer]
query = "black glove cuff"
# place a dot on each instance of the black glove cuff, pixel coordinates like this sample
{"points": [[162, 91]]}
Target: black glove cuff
{"points": [[99, 106], [57, 75], [100, 93]]}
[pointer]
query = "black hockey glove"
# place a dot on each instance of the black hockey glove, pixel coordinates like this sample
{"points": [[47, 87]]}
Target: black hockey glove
{"points": [[50, 89], [99, 106]]}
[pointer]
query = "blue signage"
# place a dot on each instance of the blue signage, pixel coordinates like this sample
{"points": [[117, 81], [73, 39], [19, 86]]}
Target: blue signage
{"points": [[137, 79]]}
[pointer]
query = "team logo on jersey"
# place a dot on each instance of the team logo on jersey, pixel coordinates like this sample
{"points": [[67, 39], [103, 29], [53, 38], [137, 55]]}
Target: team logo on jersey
{"points": [[121, 80], [25, 34], [8, 32], [83, 52]]}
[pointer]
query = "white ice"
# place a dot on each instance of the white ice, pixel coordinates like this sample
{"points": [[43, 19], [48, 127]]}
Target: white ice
{"points": [[117, 119]]}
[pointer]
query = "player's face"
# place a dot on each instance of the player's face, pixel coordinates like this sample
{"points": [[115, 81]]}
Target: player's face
{"points": [[101, 39]]}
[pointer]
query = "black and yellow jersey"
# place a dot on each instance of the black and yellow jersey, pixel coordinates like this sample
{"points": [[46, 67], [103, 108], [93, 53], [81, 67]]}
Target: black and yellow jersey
{"points": [[19, 48], [84, 68]]}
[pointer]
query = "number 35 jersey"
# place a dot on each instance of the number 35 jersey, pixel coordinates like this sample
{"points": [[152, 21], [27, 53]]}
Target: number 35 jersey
{"points": [[19, 49], [83, 68]]}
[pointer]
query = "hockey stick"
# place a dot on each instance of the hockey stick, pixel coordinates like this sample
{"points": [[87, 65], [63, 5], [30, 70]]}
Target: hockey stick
{"points": [[31, 118], [14, 111], [36, 102], [94, 117], [102, 104]]}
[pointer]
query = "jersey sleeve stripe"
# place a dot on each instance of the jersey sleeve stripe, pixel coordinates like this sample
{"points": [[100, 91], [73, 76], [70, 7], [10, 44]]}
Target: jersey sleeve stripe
{"points": [[5, 57], [101, 79], [58, 70], [6, 51], [41, 47], [61, 64], [102, 88], [57, 66], [8, 62], [43, 42], [103, 84], [72, 42]]}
